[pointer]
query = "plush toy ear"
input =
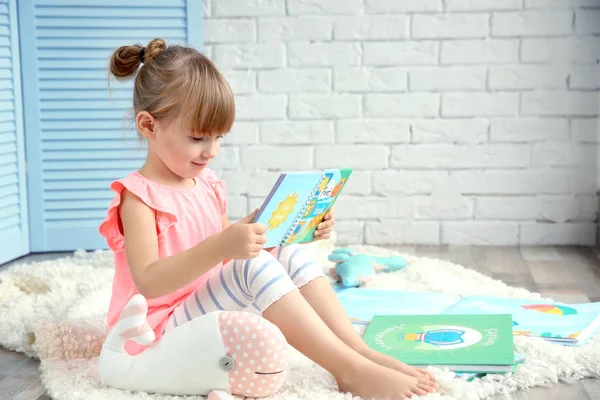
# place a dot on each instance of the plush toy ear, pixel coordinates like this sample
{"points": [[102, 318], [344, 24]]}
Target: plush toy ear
{"points": [[338, 257], [344, 250]]}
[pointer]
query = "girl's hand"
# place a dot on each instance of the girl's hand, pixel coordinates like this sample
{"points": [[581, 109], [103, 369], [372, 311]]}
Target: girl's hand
{"points": [[325, 228], [243, 239]]}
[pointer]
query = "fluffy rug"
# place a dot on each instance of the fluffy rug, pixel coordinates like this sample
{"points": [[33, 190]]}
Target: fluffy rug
{"points": [[55, 311]]}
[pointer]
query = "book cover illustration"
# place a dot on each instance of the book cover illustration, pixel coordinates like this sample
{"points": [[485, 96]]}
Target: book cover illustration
{"points": [[284, 202], [555, 321], [465, 342], [320, 204]]}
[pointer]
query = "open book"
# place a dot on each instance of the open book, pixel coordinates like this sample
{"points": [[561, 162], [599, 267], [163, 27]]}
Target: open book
{"points": [[298, 202], [567, 324]]}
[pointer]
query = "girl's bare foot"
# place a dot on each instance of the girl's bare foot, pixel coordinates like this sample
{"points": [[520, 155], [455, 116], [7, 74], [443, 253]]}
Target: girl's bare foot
{"points": [[372, 380], [422, 376]]}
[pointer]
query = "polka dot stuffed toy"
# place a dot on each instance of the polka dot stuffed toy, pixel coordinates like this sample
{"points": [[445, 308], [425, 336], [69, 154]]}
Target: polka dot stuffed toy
{"points": [[219, 355]]}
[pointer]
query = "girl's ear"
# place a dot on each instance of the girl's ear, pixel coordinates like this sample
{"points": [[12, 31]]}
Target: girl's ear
{"points": [[146, 124]]}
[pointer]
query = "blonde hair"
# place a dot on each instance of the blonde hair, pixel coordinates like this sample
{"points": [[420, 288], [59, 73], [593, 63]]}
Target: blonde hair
{"points": [[176, 81]]}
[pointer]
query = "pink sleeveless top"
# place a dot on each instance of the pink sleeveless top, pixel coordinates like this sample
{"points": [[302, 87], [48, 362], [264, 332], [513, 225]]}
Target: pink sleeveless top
{"points": [[184, 218]]}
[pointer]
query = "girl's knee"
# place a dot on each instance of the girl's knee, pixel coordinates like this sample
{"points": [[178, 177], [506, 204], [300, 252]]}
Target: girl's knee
{"points": [[261, 268]]}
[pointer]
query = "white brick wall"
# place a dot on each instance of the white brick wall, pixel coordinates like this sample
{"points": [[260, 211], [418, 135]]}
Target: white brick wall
{"points": [[466, 121]]}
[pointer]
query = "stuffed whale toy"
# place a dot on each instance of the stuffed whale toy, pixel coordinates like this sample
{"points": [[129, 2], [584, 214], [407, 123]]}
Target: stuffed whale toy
{"points": [[222, 355]]}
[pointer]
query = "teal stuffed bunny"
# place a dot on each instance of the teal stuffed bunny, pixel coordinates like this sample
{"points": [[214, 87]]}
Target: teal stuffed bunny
{"points": [[357, 269]]}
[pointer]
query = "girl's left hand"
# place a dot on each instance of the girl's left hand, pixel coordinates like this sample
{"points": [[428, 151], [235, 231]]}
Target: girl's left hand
{"points": [[325, 228]]}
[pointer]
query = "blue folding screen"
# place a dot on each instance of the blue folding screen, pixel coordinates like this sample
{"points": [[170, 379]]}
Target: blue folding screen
{"points": [[14, 240], [77, 137]]}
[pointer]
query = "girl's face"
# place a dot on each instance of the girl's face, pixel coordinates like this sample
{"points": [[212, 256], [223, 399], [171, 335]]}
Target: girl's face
{"points": [[183, 151]]}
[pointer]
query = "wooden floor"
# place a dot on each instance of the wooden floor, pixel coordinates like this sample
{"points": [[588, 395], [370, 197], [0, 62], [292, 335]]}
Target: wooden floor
{"points": [[567, 274]]}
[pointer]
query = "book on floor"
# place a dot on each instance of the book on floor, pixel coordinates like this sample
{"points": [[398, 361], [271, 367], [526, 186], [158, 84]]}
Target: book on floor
{"points": [[567, 324], [469, 376], [298, 202], [462, 343]]}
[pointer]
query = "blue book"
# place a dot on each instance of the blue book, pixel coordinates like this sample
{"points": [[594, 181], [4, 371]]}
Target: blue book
{"points": [[567, 324], [298, 202]]}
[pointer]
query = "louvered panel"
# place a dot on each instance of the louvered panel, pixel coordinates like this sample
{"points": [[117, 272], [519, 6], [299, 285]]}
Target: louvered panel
{"points": [[87, 43], [6, 94], [60, 22], [10, 225], [90, 154], [51, 105], [65, 184], [85, 165], [67, 94], [77, 214], [92, 34], [7, 130], [106, 113], [77, 194], [82, 175], [78, 134], [77, 144], [9, 159], [9, 168], [74, 204], [9, 184], [109, 3], [14, 240], [72, 124], [84, 139], [9, 200], [10, 189], [82, 84]]}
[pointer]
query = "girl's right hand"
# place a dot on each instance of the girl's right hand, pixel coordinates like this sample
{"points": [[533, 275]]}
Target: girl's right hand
{"points": [[243, 239]]}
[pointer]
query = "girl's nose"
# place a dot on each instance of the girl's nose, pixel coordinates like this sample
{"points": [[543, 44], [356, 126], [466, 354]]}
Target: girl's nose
{"points": [[211, 152]]}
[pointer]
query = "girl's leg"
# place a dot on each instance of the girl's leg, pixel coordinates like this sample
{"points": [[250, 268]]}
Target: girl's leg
{"points": [[264, 282], [308, 276]]}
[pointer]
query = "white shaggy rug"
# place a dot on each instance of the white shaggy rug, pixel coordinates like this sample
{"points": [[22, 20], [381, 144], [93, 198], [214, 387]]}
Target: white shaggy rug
{"points": [[55, 311]]}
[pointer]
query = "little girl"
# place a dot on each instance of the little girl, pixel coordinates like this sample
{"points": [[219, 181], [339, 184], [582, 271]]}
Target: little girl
{"points": [[173, 243]]}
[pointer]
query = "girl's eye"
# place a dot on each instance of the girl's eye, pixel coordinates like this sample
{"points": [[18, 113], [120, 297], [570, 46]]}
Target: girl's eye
{"points": [[197, 139]]}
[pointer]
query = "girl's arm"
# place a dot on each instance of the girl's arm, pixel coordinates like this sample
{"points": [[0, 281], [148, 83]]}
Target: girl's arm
{"points": [[154, 277]]}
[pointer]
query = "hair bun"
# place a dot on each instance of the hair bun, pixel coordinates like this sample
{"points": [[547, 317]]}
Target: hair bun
{"points": [[126, 60], [154, 47]]}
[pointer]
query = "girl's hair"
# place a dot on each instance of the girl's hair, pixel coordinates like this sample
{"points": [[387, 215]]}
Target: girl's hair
{"points": [[176, 81]]}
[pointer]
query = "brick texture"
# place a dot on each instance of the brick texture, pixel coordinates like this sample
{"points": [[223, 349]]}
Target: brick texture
{"points": [[465, 121]]}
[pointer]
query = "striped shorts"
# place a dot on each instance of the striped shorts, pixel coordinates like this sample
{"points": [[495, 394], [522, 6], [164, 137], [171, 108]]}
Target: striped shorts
{"points": [[253, 284]]}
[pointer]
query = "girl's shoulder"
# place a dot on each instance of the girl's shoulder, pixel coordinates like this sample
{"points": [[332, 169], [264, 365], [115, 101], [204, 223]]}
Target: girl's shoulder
{"points": [[218, 186], [152, 194]]}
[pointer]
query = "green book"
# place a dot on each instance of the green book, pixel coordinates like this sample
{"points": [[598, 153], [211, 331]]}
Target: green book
{"points": [[461, 343]]}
